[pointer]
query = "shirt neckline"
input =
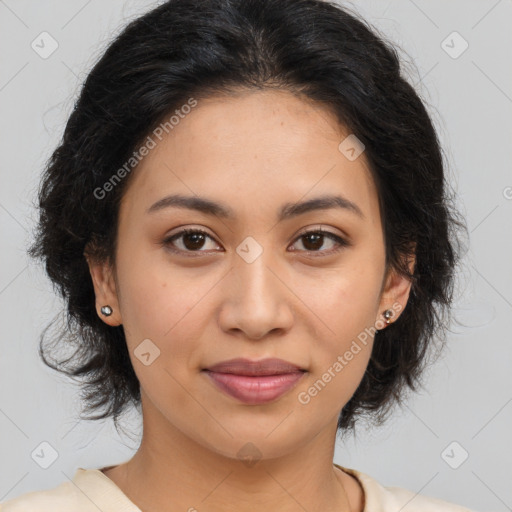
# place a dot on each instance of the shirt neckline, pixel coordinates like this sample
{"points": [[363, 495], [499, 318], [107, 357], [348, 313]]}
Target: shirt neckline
{"points": [[103, 491], [99, 487]]}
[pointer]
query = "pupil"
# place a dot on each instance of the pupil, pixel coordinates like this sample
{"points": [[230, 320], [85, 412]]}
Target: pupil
{"points": [[316, 239], [198, 240]]}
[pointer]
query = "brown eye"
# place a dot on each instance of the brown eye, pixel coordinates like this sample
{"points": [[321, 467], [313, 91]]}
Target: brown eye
{"points": [[314, 240], [192, 240]]}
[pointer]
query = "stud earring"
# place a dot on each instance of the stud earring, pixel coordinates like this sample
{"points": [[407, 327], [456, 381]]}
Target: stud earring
{"points": [[387, 315], [106, 310]]}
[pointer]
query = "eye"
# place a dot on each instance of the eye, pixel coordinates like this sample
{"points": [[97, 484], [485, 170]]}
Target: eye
{"points": [[192, 240], [315, 239]]}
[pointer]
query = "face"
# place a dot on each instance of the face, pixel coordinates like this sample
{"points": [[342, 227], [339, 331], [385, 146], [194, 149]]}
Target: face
{"points": [[254, 277]]}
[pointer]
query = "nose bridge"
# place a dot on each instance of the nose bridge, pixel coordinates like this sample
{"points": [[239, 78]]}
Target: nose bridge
{"points": [[258, 301], [255, 283]]}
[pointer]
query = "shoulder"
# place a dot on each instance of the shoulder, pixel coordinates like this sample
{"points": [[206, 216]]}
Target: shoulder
{"points": [[65, 496], [390, 499], [88, 491]]}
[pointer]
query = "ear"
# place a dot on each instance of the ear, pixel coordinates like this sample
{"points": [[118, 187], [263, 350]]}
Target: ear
{"points": [[395, 292], [104, 289]]}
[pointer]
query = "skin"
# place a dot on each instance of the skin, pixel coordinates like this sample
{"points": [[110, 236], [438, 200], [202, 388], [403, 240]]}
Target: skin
{"points": [[304, 303]]}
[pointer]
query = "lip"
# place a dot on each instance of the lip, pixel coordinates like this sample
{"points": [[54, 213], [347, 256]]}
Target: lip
{"points": [[242, 366], [255, 382]]}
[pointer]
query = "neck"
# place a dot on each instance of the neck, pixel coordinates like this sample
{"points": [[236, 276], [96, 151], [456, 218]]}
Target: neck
{"points": [[173, 471]]}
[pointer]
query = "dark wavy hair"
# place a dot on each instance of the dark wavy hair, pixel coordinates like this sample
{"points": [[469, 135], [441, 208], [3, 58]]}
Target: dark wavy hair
{"points": [[314, 49]]}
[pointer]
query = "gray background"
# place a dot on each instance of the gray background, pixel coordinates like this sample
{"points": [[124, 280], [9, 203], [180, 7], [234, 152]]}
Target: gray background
{"points": [[468, 394]]}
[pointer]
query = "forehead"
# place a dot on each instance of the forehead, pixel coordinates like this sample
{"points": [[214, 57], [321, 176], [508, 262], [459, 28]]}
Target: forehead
{"points": [[253, 149]]}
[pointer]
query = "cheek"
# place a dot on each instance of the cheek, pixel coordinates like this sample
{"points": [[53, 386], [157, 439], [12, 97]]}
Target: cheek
{"points": [[345, 303], [344, 300], [167, 312], [155, 297], [339, 359]]}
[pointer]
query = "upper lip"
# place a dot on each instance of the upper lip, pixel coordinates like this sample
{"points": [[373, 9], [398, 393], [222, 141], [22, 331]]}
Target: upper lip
{"points": [[241, 366]]}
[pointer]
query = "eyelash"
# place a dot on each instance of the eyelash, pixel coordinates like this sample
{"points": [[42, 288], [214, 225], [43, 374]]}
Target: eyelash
{"points": [[342, 243]]}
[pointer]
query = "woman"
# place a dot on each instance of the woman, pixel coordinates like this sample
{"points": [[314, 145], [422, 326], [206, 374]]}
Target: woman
{"points": [[249, 220]]}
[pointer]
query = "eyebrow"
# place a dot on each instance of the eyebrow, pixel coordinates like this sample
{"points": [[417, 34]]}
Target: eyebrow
{"points": [[288, 210]]}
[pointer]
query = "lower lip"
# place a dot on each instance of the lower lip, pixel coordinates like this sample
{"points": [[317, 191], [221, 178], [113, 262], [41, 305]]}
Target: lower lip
{"points": [[255, 390]]}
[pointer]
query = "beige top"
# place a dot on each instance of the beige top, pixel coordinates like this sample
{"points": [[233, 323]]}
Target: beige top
{"points": [[92, 491]]}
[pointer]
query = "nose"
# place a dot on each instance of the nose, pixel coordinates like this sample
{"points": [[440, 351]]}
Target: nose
{"points": [[256, 300]]}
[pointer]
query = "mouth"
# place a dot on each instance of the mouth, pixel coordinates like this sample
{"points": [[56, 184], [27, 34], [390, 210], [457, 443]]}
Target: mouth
{"points": [[269, 366], [255, 382]]}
